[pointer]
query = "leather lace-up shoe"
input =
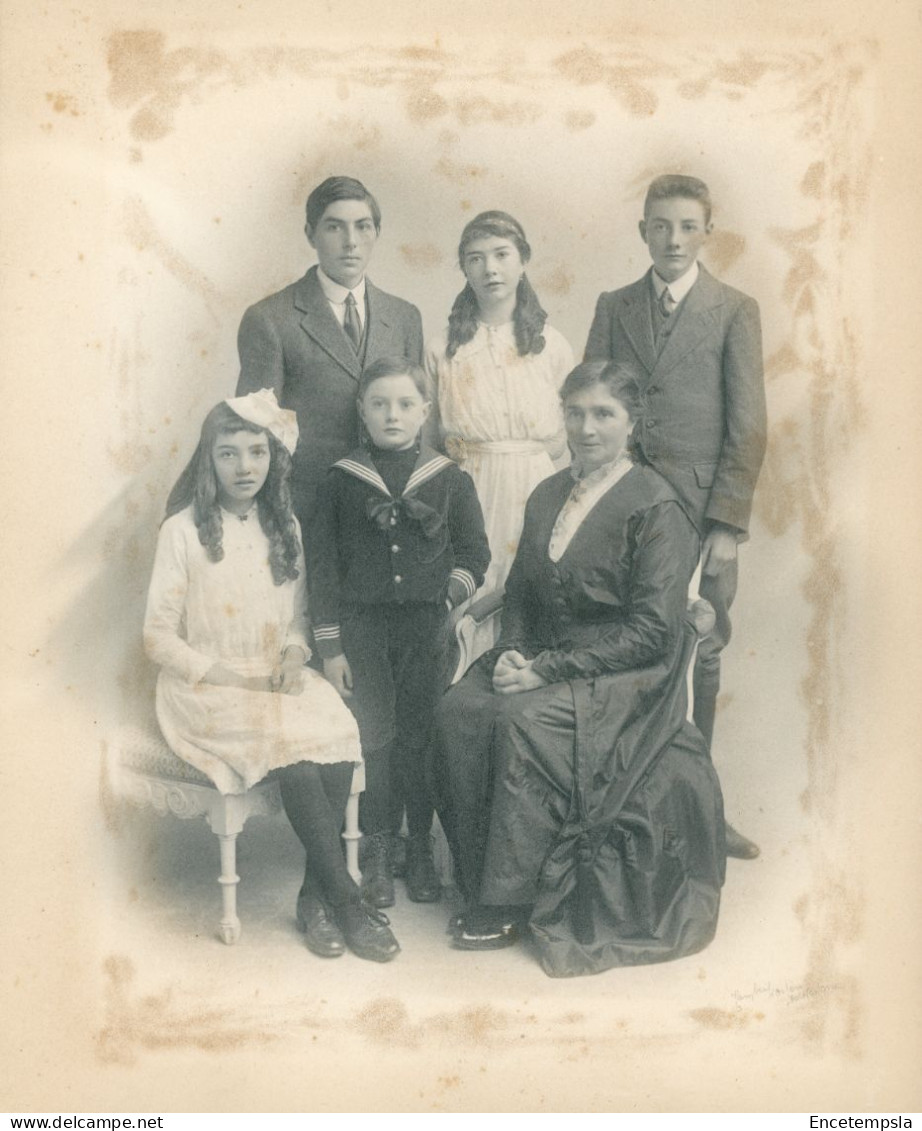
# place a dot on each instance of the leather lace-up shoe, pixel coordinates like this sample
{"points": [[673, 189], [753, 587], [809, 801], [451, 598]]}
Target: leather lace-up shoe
{"points": [[367, 933], [321, 934]]}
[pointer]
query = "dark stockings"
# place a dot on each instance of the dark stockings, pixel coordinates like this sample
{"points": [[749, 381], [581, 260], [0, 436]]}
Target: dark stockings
{"points": [[315, 799], [376, 807]]}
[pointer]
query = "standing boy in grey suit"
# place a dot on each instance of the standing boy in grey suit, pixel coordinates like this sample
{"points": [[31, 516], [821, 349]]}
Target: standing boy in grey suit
{"points": [[311, 343], [696, 345]]}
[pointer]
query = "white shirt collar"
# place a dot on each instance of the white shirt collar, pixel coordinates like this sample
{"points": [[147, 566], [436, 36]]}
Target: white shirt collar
{"points": [[680, 287], [586, 493], [601, 473], [336, 292]]}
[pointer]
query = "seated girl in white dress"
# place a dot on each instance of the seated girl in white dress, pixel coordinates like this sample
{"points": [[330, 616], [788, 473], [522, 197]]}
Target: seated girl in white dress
{"points": [[497, 373], [227, 623]]}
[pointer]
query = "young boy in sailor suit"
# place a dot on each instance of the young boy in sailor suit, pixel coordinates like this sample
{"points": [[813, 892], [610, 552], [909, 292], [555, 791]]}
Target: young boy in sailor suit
{"points": [[397, 541]]}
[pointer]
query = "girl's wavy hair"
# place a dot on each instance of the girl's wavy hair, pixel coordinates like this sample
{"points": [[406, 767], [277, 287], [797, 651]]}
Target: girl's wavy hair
{"points": [[198, 487], [623, 384], [529, 316]]}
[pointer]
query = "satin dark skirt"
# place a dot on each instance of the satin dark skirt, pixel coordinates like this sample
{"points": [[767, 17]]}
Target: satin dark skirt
{"points": [[594, 803]]}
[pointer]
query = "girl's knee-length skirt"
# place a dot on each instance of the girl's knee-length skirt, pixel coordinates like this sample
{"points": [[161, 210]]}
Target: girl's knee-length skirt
{"points": [[237, 736]]}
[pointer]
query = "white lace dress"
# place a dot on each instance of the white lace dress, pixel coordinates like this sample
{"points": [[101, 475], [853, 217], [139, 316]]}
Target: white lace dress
{"points": [[200, 612], [500, 418]]}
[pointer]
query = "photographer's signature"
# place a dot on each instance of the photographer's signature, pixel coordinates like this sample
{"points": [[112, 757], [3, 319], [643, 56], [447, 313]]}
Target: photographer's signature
{"points": [[788, 992]]}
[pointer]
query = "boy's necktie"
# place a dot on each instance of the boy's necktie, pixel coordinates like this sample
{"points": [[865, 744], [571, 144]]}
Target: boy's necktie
{"points": [[351, 323], [667, 302]]}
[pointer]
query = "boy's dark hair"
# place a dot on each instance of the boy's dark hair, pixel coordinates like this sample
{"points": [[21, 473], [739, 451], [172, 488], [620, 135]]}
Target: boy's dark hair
{"points": [[339, 188], [677, 184], [394, 367], [528, 318], [198, 487]]}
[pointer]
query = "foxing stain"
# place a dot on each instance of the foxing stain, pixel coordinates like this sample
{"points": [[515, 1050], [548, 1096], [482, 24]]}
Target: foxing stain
{"points": [[157, 1021], [425, 256], [142, 232]]}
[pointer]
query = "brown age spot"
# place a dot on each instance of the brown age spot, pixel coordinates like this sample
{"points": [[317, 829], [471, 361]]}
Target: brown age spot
{"points": [[694, 89], [359, 133], [421, 255], [142, 70], [784, 360], [721, 1019], [157, 1021], [423, 104], [814, 179], [130, 458], [63, 103], [724, 248], [744, 71], [454, 171], [474, 110], [385, 1020], [582, 66], [422, 54], [577, 120], [558, 280]]}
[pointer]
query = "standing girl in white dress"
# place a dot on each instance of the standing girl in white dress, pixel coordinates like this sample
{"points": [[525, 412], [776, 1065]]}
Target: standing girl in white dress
{"points": [[227, 623], [497, 374]]}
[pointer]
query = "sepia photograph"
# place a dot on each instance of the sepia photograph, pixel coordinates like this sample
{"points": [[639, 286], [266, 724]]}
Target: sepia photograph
{"points": [[460, 616]]}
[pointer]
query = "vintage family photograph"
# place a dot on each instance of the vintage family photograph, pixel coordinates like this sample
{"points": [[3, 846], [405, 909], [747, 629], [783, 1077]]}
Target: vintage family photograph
{"points": [[450, 664]]}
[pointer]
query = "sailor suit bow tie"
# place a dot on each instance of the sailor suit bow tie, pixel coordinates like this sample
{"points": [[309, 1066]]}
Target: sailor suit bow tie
{"points": [[385, 513]]}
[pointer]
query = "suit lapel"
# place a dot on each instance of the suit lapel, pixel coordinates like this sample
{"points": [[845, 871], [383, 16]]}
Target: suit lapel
{"points": [[320, 324], [634, 316], [696, 320], [377, 322]]}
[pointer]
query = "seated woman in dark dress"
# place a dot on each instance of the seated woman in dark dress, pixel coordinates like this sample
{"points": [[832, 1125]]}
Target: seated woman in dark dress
{"points": [[578, 802]]}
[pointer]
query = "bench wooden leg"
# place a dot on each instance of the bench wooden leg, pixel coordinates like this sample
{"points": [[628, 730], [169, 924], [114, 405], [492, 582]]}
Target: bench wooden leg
{"points": [[351, 832], [228, 879]]}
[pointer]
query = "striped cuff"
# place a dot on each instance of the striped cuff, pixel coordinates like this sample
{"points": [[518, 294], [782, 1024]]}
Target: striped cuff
{"points": [[326, 637], [467, 580]]}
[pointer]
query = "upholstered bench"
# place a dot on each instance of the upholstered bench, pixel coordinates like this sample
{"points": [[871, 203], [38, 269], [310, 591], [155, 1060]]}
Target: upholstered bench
{"points": [[148, 773]]}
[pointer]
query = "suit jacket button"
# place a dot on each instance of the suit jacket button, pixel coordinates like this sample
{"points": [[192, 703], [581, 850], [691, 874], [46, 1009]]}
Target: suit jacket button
{"points": [[394, 549], [397, 578]]}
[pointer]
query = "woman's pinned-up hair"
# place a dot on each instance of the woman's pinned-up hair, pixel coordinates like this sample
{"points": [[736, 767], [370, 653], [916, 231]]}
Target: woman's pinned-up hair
{"points": [[620, 380], [528, 318], [197, 487]]}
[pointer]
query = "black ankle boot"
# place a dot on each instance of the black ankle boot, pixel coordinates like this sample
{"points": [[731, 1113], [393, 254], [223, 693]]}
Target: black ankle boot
{"points": [[377, 876], [422, 880]]}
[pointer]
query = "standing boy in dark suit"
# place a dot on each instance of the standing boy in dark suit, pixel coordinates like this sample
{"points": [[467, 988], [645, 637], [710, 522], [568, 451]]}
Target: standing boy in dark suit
{"points": [[697, 347], [311, 341]]}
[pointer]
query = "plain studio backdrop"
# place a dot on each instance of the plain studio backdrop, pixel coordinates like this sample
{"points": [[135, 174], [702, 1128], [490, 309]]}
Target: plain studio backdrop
{"points": [[155, 168]]}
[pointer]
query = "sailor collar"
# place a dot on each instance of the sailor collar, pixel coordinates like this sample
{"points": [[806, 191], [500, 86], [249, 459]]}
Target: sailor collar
{"points": [[428, 464]]}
